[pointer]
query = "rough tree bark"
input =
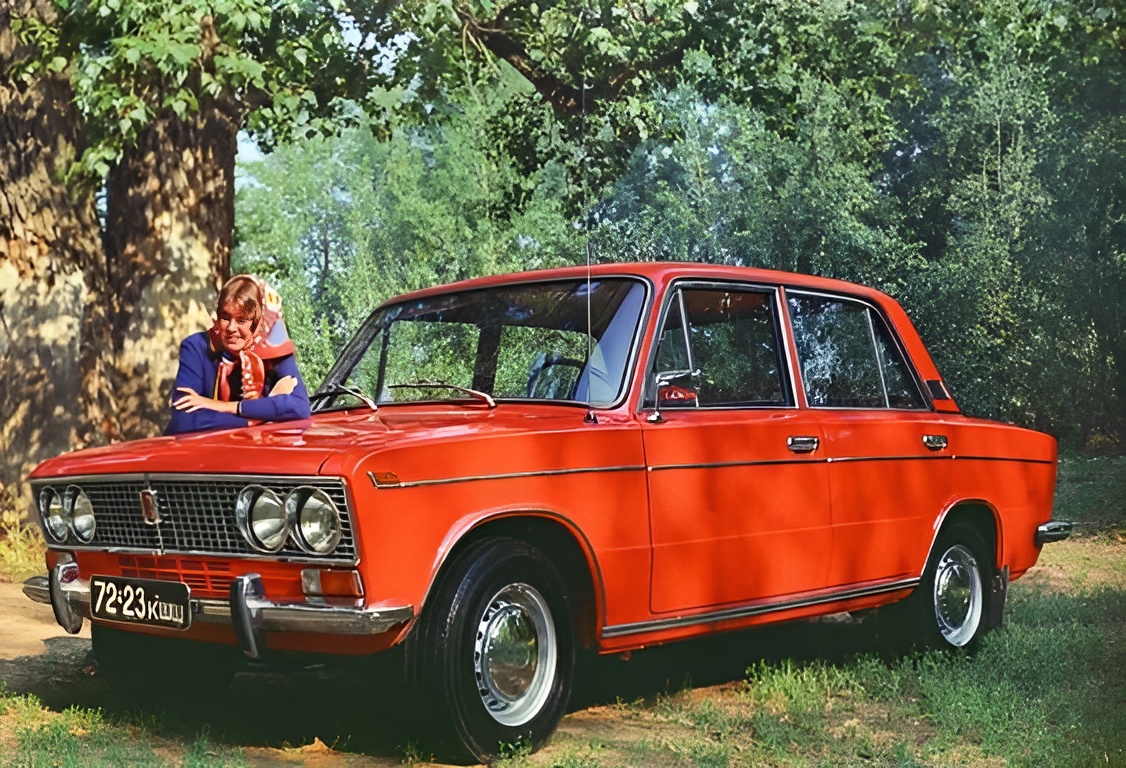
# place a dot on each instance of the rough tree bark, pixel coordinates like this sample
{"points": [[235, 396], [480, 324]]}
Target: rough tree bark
{"points": [[169, 222], [54, 330]]}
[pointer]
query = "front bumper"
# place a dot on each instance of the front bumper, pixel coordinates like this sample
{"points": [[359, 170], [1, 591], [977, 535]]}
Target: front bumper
{"points": [[248, 611]]}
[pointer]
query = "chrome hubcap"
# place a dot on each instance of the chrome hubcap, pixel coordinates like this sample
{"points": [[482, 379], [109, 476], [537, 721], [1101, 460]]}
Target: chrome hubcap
{"points": [[514, 654], [957, 595]]}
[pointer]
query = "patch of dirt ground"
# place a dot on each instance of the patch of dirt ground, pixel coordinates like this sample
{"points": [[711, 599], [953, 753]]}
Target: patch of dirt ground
{"points": [[27, 625]]}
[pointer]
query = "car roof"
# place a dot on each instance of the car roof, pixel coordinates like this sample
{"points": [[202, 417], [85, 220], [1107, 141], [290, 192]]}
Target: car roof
{"points": [[660, 273]]}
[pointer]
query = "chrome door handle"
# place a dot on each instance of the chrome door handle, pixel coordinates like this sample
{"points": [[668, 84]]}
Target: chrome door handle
{"points": [[802, 444], [934, 442]]}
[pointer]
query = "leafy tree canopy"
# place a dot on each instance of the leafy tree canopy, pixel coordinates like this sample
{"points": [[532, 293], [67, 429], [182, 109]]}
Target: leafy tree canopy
{"points": [[284, 67]]}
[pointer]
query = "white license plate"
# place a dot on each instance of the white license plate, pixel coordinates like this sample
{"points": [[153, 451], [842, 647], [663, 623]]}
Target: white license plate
{"points": [[141, 601]]}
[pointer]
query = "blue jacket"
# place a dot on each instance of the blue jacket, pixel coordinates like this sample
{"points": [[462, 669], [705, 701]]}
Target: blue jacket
{"points": [[199, 365]]}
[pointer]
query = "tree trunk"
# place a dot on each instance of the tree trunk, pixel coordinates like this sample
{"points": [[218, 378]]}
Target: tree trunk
{"points": [[54, 334], [170, 216]]}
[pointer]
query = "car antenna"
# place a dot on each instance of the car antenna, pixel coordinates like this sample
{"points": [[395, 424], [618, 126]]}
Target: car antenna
{"points": [[591, 417]]}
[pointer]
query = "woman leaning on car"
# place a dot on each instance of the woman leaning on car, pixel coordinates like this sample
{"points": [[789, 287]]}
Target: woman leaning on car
{"points": [[242, 370]]}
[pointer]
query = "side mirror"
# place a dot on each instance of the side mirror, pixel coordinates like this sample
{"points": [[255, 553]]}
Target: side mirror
{"points": [[676, 396], [674, 390]]}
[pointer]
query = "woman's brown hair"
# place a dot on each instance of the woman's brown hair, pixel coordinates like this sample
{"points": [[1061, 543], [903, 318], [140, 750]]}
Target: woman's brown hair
{"points": [[242, 296]]}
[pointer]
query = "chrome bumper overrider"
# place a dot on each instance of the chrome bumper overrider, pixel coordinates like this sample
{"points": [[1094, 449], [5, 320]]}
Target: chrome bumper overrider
{"points": [[1057, 530], [248, 610]]}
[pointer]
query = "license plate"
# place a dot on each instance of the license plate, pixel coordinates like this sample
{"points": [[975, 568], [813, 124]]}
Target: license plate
{"points": [[141, 601]]}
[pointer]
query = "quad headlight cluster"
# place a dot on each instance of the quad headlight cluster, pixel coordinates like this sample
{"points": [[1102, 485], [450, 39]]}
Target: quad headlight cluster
{"points": [[67, 515], [306, 515]]}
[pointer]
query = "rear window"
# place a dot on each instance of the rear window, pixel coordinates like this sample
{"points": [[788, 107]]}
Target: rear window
{"points": [[848, 357]]}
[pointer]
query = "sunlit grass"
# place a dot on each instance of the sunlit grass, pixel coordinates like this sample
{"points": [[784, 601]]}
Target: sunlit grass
{"points": [[81, 738], [21, 543], [1048, 690]]}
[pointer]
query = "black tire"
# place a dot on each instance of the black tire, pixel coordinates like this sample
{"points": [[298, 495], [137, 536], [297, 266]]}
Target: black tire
{"points": [[950, 607], [492, 656]]}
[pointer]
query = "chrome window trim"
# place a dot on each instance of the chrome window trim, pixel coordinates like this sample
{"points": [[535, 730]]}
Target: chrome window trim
{"points": [[879, 357], [780, 323], [920, 389], [728, 614], [630, 366]]}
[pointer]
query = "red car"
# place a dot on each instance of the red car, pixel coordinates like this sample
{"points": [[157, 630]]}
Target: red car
{"points": [[499, 471]]}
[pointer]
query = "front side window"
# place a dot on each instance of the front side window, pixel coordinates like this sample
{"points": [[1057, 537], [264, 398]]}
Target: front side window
{"points": [[731, 353], [565, 340], [847, 356]]}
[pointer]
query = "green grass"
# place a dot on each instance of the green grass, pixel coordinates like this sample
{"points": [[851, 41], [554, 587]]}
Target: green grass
{"points": [[1092, 491], [21, 544], [1048, 690], [86, 738]]}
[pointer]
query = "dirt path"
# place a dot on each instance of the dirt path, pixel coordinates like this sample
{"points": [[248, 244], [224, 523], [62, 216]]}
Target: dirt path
{"points": [[37, 657], [27, 627]]}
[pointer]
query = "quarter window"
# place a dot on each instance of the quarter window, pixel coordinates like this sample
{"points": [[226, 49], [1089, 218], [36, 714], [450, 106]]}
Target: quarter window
{"points": [[847, 356], [731, 353]]}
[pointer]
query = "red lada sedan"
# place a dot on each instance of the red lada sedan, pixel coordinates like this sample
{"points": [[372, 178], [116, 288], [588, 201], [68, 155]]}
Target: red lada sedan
{"points": [[500, 471]]}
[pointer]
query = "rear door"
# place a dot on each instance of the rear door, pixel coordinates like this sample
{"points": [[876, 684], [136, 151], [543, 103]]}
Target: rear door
{"points": [[889, 473]]}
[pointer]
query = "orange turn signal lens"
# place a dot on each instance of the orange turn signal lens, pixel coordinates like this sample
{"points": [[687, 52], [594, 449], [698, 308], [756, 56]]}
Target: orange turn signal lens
{"points": [[316, 582]]}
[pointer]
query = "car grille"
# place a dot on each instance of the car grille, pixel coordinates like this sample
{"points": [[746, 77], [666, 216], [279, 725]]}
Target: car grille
{"points": [[205, 578], [197, 514]]}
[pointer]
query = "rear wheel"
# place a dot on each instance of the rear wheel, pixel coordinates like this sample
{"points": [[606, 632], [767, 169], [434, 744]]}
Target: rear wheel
{"points": [[950, 606], [493, 654]]}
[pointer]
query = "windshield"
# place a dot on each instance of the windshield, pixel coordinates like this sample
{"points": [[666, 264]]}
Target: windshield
{"points": [[563, 340]]}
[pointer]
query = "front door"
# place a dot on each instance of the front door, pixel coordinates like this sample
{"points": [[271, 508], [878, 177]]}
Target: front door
{"points": [[739, 498]]}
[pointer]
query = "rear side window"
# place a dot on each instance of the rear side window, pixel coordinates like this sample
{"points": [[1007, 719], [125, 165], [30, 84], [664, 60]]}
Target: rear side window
{"points": [[847, 356]]}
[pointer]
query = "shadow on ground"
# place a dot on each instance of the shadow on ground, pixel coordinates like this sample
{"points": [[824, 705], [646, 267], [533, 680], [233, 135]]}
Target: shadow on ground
{"points": [[361, 706]]}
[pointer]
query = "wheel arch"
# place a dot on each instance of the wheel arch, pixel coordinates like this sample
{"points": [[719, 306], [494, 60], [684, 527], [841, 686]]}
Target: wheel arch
{"points": [[978, 513], [561, 542]]}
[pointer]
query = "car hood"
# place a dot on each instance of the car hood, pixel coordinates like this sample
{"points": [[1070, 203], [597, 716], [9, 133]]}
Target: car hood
{"points": [[338, 439]]}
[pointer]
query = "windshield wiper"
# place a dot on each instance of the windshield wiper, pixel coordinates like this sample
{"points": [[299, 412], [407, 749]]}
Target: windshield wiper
{"points": [[431, 384], [343, 389]]}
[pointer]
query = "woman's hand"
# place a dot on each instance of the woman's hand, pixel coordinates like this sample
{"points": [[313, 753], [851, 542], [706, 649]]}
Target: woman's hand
{"points": [[192, 401], [284, 386]]}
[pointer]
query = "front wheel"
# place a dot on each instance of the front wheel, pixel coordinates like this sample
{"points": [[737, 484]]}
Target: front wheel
{"points": [[493, 654]]}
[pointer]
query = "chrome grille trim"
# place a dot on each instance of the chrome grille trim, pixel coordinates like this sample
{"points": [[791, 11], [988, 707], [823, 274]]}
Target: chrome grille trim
{"points": [[197, 514]]}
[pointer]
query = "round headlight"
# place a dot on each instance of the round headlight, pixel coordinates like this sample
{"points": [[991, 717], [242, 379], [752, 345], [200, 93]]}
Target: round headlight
{"points": [[53, 512], [261, 518], [81, 514], [318, 521]]}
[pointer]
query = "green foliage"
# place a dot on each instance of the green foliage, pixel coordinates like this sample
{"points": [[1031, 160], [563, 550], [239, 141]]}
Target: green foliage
{"points": [[968, 159], [281, 68], [21, 541], [1092, 491], [342, 224]]}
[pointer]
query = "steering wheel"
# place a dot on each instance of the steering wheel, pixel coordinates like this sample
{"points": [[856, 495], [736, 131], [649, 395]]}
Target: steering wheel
{"points": [[548, 362]]}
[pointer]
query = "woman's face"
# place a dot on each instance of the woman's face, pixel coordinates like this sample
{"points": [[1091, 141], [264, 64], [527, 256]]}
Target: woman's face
{"points": [[234, 332]]}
